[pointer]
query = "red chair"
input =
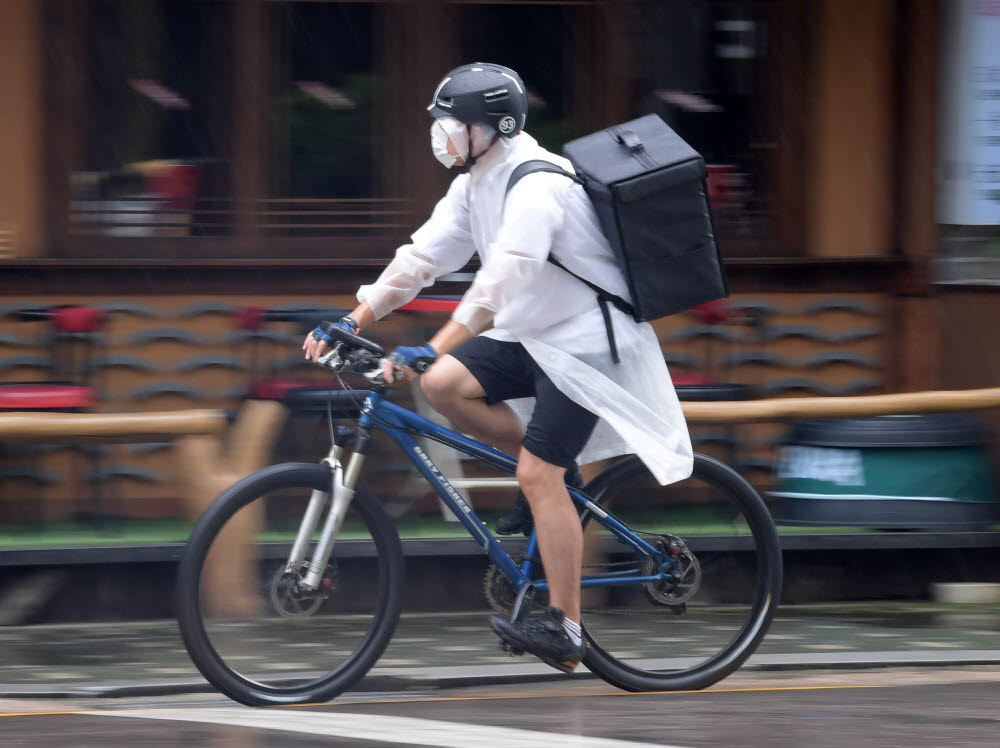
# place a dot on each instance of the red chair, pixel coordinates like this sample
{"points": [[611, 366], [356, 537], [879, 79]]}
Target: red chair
{"points": [[265, 382], [74, 333], [176, 187], [304, 395]]}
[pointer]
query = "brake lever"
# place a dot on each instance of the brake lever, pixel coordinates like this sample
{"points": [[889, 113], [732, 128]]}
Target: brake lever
{"points": [[376, 373], [331, 360]]}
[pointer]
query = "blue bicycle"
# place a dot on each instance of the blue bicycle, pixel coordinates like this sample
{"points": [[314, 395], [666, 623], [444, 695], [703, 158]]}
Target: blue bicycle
{"points": [[300, 561]]}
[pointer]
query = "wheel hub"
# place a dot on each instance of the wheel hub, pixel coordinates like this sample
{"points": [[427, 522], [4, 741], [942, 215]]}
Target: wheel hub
{"points": [[290, 600]]}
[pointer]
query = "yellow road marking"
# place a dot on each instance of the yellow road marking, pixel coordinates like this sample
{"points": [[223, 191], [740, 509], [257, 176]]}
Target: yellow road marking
{"points": [[36, 714], [433, 699], [445, 699]]}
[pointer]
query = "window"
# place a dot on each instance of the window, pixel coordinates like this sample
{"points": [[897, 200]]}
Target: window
{"points": [[199, 128], [155, 121], [322, 135], [530, 39], [703, 67]]}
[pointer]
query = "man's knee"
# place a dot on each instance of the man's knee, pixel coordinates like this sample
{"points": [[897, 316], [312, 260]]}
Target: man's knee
{"points": [[536, 476], [447, 382], [433, 385]]}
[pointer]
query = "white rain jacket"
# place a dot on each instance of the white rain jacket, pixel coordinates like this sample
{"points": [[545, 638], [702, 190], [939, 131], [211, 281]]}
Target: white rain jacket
{"points": [[551, 313]]}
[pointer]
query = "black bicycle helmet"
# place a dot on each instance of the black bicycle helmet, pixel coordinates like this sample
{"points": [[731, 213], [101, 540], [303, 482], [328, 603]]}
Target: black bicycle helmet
{"points": [[483, 92]]}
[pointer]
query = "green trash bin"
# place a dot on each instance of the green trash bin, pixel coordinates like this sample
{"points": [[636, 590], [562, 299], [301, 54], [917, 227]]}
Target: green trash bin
{"points": [[911, 472]]}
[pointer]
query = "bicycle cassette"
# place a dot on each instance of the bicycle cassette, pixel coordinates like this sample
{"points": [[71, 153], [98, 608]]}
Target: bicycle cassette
{"points": [[684, 580]]}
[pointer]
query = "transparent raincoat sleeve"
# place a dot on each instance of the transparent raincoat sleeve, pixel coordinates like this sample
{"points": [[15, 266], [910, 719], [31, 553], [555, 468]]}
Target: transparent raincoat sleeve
{"points": [[442, 245], [532, 215]]}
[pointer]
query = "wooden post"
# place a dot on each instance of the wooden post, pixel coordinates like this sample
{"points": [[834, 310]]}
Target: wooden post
{"points": [[20, 128], [917, 341], [248, 120], [848, 171], [788, 51], [230, 583], [420, 39], [64, 26]]}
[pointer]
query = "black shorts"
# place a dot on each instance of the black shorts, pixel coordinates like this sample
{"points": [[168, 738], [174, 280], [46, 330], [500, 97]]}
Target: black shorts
{"points": [[559, 428]]}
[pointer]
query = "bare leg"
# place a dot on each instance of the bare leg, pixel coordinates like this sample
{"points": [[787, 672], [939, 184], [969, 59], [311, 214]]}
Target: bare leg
{"points": [[452, 391], [560, 536]]}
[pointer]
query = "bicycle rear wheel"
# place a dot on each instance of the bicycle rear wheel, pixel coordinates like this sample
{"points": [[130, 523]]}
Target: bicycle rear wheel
{"points": [[699, 626], [249, 630]]}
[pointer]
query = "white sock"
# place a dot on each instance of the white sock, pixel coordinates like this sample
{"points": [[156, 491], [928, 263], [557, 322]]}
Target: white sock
{"points": [[573, 631]]}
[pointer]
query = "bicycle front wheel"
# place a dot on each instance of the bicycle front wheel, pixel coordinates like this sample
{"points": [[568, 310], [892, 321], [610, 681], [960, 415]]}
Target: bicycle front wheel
{"points": [[253, 632], [697, 624]]}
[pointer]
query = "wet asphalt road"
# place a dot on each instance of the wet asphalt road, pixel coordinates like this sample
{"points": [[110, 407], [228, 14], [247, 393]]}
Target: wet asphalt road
{"points": [[883, 707]]}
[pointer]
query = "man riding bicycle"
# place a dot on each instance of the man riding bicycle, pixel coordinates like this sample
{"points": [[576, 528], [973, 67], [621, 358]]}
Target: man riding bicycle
{"points": [[528, 330]]}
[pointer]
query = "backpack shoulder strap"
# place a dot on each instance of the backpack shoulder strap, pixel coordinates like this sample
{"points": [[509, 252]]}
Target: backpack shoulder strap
{"points": [[603, 297], [530, 167]]}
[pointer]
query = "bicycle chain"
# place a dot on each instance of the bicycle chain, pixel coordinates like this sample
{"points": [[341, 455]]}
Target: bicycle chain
{"points": [[500, 593]]}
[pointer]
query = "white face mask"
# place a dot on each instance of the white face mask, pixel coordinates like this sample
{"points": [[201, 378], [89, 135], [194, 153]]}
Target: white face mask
{"points": [[446, 129]]}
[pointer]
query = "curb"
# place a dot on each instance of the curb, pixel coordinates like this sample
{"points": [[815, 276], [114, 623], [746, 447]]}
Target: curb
{"points": [[404, 679]]}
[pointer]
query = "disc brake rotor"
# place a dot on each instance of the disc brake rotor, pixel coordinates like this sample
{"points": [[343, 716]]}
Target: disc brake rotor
{"points": [[684, 579], [289, 600]]}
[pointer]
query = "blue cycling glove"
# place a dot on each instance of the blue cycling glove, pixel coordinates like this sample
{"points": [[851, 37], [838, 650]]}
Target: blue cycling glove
{"points": [[343, 324], [419, 358]]}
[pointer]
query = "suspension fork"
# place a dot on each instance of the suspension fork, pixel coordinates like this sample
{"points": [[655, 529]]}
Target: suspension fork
{"points": [[342, 484]]}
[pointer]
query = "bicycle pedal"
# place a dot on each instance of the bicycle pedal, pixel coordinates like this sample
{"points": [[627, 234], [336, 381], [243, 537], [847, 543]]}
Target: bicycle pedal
{"points": [[510, 648]]}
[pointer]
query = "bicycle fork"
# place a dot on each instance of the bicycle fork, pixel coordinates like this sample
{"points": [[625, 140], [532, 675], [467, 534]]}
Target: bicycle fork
{"points": [[342, 492]]}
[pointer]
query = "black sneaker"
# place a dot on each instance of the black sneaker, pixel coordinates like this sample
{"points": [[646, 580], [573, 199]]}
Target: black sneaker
{"points": [[543, 637], [519, 518]]}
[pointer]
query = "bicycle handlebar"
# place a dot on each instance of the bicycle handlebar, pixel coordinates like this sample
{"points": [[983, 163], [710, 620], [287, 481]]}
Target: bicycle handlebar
{"points": [[361, 355], [350, 351], [355, 341]]}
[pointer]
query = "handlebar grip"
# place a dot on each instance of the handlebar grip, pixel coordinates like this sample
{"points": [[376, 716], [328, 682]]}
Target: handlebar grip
{"points": [[364, 361], [339, 333]]}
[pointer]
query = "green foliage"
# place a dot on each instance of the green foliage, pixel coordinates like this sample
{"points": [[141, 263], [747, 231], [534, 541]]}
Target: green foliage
{"points": [[329, 150]]}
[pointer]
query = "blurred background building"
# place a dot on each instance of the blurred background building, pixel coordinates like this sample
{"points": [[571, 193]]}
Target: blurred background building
{"points": [[173, 162]]}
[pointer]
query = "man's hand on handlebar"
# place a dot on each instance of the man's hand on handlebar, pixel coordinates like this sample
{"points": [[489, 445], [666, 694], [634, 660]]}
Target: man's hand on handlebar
{"points": [[359, 354], [317, 344], [410, 360]]}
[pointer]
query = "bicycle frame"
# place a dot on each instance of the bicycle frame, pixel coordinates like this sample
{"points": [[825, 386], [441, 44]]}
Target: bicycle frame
{"points": [[403, 426]]}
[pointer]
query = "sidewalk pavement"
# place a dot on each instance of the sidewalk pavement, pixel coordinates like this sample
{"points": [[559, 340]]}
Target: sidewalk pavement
{"points": [[148, 658]]}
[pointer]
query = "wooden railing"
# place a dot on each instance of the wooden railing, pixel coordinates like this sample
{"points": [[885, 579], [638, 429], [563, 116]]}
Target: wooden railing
{"points": [[784, 409]]}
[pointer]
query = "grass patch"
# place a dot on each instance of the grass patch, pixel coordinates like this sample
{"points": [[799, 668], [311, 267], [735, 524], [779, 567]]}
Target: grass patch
{"points": [[127, 531], [94, 532]]}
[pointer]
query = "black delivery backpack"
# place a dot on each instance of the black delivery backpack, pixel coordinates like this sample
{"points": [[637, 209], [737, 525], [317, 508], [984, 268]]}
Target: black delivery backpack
{"points": [[649, 190]]}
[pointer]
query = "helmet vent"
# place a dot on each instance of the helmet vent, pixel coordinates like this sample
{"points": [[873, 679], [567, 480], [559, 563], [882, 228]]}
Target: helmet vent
{"points": [[446, 103], [496, 95]]}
